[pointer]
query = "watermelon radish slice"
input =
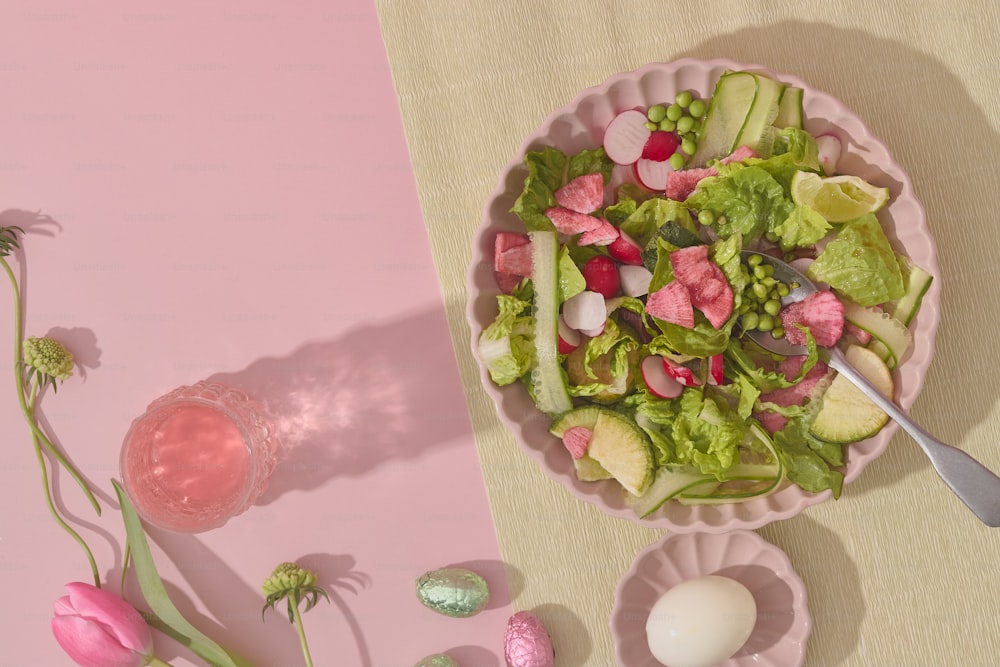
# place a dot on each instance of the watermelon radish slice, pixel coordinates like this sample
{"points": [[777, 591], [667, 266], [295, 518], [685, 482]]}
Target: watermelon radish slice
{"points": [[571, 222], [569, 338], [657, 380], [604, 234], [680, 184], [672, 303], [653, 174], [515, 260], [585, 311], [626, 136], [576, 439], [584, 194], [707, 285], [601, 275], [625, 249], [821, 312]]}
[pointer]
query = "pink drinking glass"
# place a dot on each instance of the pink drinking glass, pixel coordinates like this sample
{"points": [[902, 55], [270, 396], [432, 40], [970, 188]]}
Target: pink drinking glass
{"points": [[197, 457]]}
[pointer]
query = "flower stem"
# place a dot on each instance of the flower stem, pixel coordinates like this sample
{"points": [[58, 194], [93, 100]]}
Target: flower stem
{"points": [[156, 662], [51, 505], [37, 433], [294, 604]]}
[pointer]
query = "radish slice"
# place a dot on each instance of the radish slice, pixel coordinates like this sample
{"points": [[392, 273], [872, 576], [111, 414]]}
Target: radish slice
{"points": [[595, 332], [682, 374], [626, 136], [625, 249], [657, 380], [585, 311], [829, 152], [652, 174], [569, 338], [715, 369], [634, 280]]}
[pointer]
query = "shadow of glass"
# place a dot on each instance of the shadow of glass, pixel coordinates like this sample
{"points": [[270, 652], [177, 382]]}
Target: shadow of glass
{"points": [[951, 187], [815, 551], [341, 407]]}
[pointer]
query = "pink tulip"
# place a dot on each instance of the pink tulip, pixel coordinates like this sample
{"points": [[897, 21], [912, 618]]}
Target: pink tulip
{"points": [[99, 629]]}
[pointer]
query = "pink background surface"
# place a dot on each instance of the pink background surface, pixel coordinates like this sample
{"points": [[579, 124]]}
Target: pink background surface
{"points": [[230, 197]]}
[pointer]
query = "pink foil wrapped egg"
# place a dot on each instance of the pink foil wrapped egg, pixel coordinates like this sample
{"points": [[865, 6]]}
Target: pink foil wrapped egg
{"points": [[526, 642]]}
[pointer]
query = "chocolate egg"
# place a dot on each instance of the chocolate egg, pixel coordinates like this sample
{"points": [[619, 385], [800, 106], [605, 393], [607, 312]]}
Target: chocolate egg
{"points": [[526, 642], [437, 660], [453, 591]]}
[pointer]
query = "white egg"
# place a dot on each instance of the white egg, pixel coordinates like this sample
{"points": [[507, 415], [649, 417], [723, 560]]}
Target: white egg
{"points": [[701, 622]]}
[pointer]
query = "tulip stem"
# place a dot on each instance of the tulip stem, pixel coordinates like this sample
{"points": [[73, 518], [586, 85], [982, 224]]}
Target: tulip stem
{"points": [[294, 606], [156, 662]]}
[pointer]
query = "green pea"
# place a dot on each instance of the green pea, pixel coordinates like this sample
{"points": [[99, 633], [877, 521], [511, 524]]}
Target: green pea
{"points": [[656, 113], [749, 321], [778, 332], [688, 147], [754, 260], [706, 217], [676, 161], [765, 322], [771, 236], [795, 285], [772, 306], [759, 291], [697, 108], [759, 271], [674, 112], [667, 125], [684, 98], [684, 125], [782, 290], [651, 126]]}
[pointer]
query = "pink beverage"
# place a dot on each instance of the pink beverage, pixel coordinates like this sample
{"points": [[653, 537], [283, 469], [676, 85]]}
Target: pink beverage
{"points": [[197, 457]]}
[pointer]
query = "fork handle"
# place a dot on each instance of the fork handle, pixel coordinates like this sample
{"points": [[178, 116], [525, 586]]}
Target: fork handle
{"points": [[976, 485]]}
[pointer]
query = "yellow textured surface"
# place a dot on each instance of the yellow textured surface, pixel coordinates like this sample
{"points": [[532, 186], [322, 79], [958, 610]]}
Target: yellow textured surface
{"points": [[898, 572]]}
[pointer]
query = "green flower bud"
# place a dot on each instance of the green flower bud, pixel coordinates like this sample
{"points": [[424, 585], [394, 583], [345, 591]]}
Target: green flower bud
{"points": [[48, 357]]}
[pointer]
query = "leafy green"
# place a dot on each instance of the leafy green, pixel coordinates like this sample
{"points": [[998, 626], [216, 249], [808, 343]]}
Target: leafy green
{"points": [[860, 264], [571, 281], [168, 618], [748, 201], [707, 433], [803, 227], [807, 459], [651, 215], [506, 345], [545, 176], [590, 161]]}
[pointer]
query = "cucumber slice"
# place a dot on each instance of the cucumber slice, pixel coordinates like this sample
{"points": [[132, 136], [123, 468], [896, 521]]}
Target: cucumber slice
{"points": [[548, 385], [624, 450], [846, 414], [667, 483], [917, 282], [790, 109], [891, 339], [758, 129], [727, 112], [589, 470]]}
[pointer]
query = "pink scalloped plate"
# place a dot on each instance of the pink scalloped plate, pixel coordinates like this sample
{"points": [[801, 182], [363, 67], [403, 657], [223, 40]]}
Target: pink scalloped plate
{"points": [[579, 125], [783, 621]]}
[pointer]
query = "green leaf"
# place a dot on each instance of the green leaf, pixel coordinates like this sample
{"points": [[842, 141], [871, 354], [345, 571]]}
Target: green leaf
{"points": [[168, 618]]}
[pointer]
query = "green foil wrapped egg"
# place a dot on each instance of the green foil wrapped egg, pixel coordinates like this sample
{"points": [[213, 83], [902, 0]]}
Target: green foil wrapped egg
{"points": [[453, 591], [437, 660]]}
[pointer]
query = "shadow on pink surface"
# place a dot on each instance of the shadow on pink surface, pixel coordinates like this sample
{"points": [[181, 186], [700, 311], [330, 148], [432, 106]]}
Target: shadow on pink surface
{"points": [[341, 407]]}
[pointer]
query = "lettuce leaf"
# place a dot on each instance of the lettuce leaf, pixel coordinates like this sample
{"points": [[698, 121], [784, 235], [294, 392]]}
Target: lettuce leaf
{"points": [[571, 280], [860, 264], [506, 345], [548, 170], [803, 227], [747, 201], [652, 214], [807, 460], [707, 433]]}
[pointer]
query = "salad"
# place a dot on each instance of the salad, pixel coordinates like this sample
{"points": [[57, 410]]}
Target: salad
{"points": [[626, 301]]}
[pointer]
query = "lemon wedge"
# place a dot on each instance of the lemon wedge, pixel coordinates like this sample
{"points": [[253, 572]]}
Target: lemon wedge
{"points": [[837, 198]]}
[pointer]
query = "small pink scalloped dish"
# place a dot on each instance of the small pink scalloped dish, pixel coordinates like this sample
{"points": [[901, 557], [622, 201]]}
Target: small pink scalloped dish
{"points": [[783, 622], [580, 125]]}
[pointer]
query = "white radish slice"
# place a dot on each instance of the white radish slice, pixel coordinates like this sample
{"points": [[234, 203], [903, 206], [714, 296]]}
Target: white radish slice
{"points": [[569, 338], [585, 311], [595, 332], [634, 279], [652, 174], [626, 136], [655, 376], [829, 152]]}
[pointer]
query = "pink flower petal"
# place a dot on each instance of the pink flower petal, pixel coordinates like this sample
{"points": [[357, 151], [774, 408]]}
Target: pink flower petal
{"points": [[92, 644], [119, 617]]}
